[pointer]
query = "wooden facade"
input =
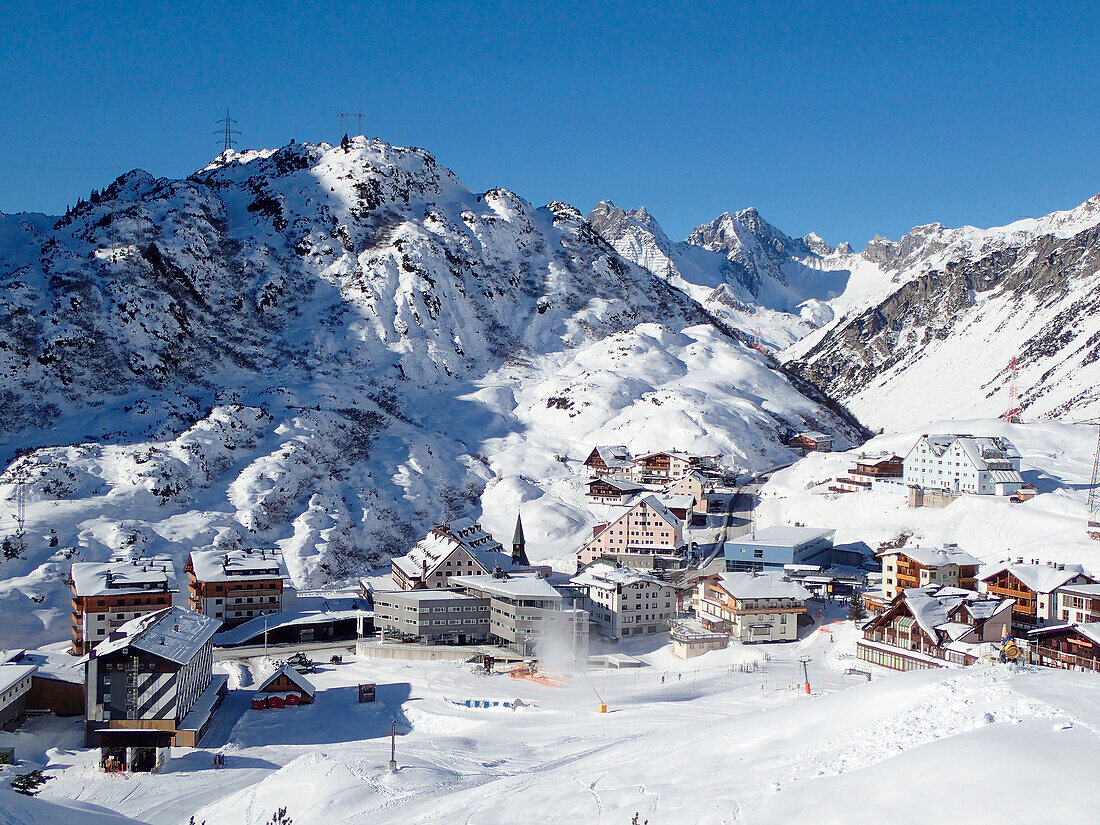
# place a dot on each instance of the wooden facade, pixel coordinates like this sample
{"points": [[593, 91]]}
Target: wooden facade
{"points": [[107, 604], [1068, 647]]}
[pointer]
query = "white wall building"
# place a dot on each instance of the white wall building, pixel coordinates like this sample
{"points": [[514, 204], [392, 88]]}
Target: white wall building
{"points": [[979, 465], [622, 601], [752, 607]]}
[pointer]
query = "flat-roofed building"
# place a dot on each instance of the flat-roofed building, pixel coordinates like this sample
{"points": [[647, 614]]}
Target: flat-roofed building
{"points": [[774, 547], [108, 594], [234, 586], [441, 616]]}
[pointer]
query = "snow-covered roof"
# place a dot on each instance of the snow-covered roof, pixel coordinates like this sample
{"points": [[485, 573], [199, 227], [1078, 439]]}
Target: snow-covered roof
{"points": [[603, 575], [935, 556], [432, 550], [932, 605], [123, 575], [237, 565], [615, 455], [678, 502], [786, 536], [519, 586], [1090, 630], [661, 510], [814, 435], [1040, 578], [433, 595], [984, 452], [619, 484], [1092, 590], [11, 675], [294, 676], [306, 610], [174, 634], [761, 586]]}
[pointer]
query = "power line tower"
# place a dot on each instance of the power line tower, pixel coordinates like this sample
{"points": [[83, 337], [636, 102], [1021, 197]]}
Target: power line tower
{"points": [[227, 131], [1094, 493], [1013, 413], [358, 118]]}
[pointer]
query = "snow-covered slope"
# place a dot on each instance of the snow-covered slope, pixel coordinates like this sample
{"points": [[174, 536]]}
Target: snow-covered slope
{"points": [[740, 267], [328, 349], [929, 326]]}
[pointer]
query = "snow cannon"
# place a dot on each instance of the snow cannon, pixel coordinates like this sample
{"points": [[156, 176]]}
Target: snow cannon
{"points": [[1010, 651]]}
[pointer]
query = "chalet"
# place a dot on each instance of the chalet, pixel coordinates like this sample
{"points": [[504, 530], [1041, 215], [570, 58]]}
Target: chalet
{"points": [[646, 529], [460, 548], [775, 547], [1078, 603], [154, 671], [286, 687], [964, 464], [906, 567], [1067, 646], [752, 607], [613, 460], [622, 601], [661, 467], [693, 484], [15, 686], [608, 490], [870, 469], [935, 626], [812, 441], [1033, 587], [234, 586], [107, 594]]}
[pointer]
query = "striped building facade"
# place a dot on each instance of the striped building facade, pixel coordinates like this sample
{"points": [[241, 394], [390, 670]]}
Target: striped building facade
{"points": [[149, 673]]}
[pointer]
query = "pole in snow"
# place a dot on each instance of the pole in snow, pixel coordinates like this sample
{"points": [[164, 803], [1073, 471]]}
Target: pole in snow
{"points": [[805, 674], [393, 747]]}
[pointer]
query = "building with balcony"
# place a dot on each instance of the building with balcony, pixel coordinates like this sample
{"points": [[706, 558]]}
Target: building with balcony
{"points": [[613, 460], [752, 607], [622, 601], [935, 626], [608, 490], [906, 567], [234, 586], [1033, 587], [645, 530], [108, 594], [812, 441], [1067, 646], [458, 548], [869, 469]]}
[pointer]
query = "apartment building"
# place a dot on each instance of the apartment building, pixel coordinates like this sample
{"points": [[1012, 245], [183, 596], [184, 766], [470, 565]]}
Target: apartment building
{"points": [[108, 594], [233, 586], [907, 567], [752, 607], [622, 601]]}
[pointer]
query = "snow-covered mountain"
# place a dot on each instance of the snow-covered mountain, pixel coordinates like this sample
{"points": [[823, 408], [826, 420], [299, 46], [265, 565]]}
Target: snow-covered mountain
{"points": [[904, 332], [330, 348], [929, 325], [739, 267]]}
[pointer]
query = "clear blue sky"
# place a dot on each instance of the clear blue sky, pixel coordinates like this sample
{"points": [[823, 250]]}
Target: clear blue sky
{"points": [[845, 118]]}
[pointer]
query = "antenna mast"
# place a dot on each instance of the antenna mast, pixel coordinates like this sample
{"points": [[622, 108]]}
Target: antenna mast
{"points": [[227, 132], [359, 121]]}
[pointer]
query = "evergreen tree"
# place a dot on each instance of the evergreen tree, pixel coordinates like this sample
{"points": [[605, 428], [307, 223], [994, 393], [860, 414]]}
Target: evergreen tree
{"points": [[856, 610]]}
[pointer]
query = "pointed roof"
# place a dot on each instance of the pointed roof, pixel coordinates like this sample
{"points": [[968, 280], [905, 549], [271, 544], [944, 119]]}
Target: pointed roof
{"points": [[294, 676], [517, 538]]}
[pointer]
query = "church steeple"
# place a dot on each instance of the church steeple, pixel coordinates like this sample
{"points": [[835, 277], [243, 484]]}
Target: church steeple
{"points": [[519, 546]]}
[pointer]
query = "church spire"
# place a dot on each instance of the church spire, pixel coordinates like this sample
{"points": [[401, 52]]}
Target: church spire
{"points": [[519, 546]]}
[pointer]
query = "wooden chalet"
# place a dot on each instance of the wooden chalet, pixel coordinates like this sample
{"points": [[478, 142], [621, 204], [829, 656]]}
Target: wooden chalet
{"points": [[661, 467], [609, 490], [813, 442], [1033, 587], [934, 626], [610, 460], [1067, 646], [869, 469]]}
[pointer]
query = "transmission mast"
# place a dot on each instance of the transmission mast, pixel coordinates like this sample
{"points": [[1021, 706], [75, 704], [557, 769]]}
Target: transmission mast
{"points": [[1013, 413], [227, 131], [359, 121], [1094, 493]]}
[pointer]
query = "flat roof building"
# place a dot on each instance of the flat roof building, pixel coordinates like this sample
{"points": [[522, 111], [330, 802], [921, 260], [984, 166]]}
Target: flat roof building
{"points": [[774, 547]]}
